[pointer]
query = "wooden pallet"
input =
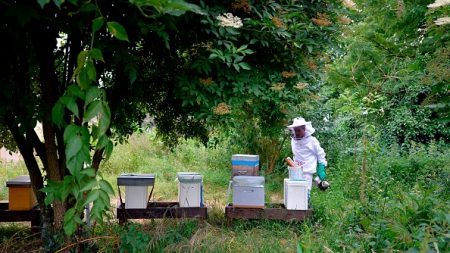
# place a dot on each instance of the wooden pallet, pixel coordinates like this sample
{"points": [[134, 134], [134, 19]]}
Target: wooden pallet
{"points": [[272, 212], [33, 216], [157, 210]]}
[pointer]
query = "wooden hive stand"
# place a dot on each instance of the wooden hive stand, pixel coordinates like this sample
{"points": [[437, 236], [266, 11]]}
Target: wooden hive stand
{"points": [[271, 212], [33, 216], [158, 210]]}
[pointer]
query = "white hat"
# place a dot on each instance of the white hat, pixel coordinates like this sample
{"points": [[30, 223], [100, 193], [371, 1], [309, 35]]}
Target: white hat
{"points": [[299, 122]]}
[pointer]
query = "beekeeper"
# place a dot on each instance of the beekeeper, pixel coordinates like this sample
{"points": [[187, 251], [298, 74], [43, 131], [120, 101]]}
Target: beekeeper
{"points": [[307, 152]]}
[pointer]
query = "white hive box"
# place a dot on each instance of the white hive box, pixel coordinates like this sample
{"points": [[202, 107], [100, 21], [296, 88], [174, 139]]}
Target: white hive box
{"points": [[136, 189], [248, 191], [295, 194], [190, 189]]}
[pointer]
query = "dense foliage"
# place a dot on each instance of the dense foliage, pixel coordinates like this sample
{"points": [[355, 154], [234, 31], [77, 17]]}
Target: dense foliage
{"points": [[393, 73]]}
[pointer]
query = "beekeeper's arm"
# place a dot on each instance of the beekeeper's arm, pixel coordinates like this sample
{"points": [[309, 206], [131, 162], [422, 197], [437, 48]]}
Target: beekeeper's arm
{"points": [[320, 153]]}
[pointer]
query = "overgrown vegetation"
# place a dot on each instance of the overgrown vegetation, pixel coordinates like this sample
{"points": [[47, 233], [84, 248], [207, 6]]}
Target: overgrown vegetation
{"points": [[407, 207]]}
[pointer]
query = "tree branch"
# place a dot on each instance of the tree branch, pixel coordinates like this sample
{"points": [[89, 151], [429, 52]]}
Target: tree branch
{"points": [[26, 150], [38, 145], [97, 158]]}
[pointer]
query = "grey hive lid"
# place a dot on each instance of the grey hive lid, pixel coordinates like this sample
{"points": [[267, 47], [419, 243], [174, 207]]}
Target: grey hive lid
{"points": [[189, 177], [248, 180], [21, 181], [245, 157], [132, 179]]}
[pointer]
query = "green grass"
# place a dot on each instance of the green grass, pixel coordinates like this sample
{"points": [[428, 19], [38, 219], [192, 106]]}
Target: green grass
{"points": [[406, 209]]}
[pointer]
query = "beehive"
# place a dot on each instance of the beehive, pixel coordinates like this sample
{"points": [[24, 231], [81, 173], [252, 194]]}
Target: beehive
{"points": [[21, 195], [136, 189], [295, 194], [190, 189]]}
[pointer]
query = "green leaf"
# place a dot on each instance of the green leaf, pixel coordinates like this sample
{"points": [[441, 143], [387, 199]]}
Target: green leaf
{"points": [[88, 7], [108, 149], [90, 172], [69, 227], [106, 186], [92, 93], [105, 119], [70, 131], [102, 142], [73, 147], [69, 214], [69, 223], [81, 58], [75, 91], [42, 3], [96, 54], [248, 51], [94, 133], [97, 24], [73, 106], [58, 3], [117, 30], [173, 7], [93, 195], [49, 198], [91, 71], [241, 48], [74, 165], [78, 220], [212, 56], [87, 186], [83, 78], [58, 113], [104, 199], [93, 110], [236, 66], [244, 65]]}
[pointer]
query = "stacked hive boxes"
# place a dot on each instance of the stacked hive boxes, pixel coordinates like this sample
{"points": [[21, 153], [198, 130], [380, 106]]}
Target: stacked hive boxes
{"points": [[248, 187], [245, 165]]}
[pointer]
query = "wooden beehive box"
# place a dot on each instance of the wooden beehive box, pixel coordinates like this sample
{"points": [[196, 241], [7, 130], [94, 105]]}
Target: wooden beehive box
{"points": [[21, 195]]}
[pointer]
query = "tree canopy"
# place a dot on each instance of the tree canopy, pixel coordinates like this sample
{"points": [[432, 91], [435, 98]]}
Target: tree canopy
{"points": [[393, 74]]}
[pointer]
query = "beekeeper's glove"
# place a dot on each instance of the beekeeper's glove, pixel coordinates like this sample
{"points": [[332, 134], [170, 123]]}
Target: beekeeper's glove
{"points": [[321, 172]]}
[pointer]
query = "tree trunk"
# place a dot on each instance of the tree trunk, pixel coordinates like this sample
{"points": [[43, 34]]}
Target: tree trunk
{"points": [[53, 171], [45, 39]]}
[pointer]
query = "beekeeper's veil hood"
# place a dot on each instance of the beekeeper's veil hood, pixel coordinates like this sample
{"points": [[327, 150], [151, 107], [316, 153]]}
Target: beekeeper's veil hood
{"points": [[299, 121]]}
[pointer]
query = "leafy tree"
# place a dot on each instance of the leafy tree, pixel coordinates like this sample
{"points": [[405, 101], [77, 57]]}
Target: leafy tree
{"points": [[396, 51], [90, 71], [389, 84], [282, 45]]}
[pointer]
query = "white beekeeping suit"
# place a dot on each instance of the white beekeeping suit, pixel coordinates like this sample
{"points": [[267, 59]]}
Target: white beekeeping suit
{"points": [[306, 150]]}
